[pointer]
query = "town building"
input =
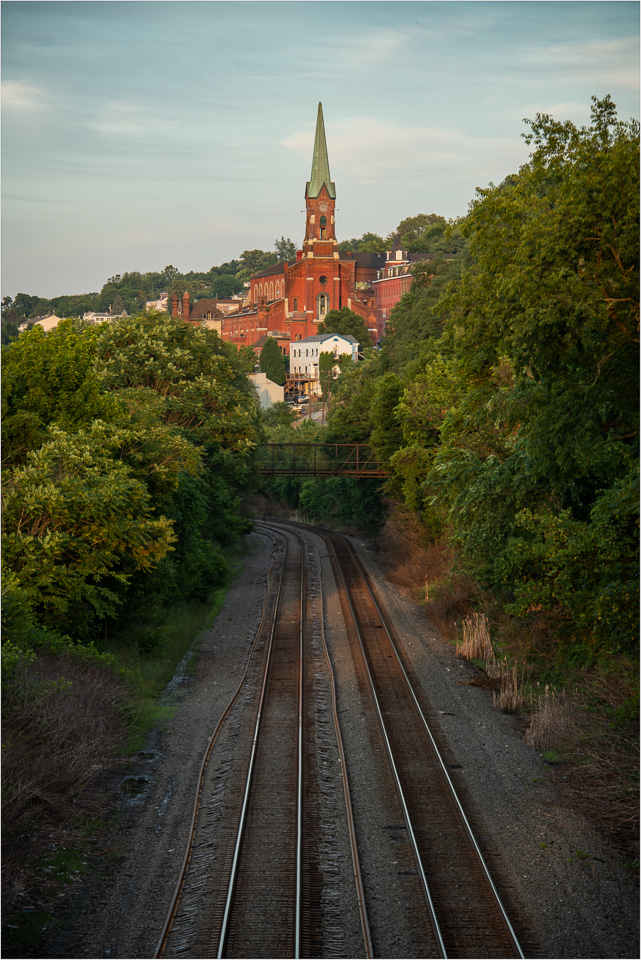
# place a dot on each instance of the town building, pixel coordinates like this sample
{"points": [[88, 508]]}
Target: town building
{"points": [[46, 321], [160, 304], [282, 340], [393, 280], [268, 392], [94, 317], [209, 312], [304, 360], [293, 297]]}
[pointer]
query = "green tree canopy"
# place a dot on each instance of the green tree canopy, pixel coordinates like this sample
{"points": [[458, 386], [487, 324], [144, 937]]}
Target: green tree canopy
{"points": [[285, 249], [50, 378], [522, 418], [225, 284], [346, 322], [272, 362]]}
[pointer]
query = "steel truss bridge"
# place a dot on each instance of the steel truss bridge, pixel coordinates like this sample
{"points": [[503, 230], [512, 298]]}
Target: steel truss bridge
{"points": [[356, 460]]}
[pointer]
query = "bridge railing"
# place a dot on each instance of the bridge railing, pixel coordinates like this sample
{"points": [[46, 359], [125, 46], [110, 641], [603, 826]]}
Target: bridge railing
{"points": [[319, 459]]}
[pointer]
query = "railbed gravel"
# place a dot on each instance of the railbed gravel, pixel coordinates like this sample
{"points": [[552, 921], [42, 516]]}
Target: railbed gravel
{"points": [[573, 894]]}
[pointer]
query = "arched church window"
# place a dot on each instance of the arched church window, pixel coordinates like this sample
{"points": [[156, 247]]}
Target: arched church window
{"points": [[271, 291], [323, 305], [323, 228], [295, 304]]}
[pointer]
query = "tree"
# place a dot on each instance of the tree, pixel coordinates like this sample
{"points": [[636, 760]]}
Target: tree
{"points": [[285, 249], [50, 378], [77, 525], [419, 315], [118, 306], [254, 261], [371, 243], [224, 285], [346, 322], [272, 362], [412, 229], [538, 455], [197, 377]]}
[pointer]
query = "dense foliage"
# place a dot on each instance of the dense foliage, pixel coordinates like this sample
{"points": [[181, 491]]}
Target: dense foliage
{"points": [[126, 448], [347, 323], [506, 394]]}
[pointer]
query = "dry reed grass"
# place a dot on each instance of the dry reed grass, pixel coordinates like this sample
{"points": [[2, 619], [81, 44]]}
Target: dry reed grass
{"points": [[476, 643], [551, 721], [503, 680], [589, 729], [509, 696]]}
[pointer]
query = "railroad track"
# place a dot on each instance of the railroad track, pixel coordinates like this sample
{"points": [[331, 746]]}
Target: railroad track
{"points": [[254, 878]]}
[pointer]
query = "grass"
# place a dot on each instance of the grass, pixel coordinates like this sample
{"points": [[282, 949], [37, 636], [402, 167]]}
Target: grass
{"points": [[154, 668]]}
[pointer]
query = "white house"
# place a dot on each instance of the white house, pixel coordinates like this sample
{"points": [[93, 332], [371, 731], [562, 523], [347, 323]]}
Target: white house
{"points": [[160, 304], [304, 355], [94, 317], [269, 392], [46, 322]]}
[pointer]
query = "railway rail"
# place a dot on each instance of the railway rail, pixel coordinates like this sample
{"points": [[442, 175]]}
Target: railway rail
{"points": [[253, 878]]}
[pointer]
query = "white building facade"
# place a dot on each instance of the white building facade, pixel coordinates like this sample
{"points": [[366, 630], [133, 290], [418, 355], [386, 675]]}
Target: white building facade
{"points": [[304, 355], [269, 392]]}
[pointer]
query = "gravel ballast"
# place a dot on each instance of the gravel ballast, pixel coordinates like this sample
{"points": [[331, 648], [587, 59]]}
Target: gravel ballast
{"points": [[575, 897]]}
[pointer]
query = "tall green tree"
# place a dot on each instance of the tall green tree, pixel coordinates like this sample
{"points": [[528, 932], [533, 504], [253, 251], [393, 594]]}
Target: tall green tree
{"points": [[285, 249], [272, 362]]}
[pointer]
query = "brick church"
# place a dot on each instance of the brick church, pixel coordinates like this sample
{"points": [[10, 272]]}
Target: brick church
{"points": [[291, 298]]}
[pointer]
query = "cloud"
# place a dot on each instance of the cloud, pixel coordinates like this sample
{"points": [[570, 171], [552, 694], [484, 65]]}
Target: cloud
{"points": [[373, 151], [374, 46], [20, 96], [125, 118], [608, 63]]}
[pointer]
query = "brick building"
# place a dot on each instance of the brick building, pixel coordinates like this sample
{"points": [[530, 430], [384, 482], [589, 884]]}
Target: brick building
{"points": [[291, 298], [393, 280]]}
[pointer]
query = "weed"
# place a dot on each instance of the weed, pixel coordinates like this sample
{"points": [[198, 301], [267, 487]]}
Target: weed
{"points": [[509, 697], [476, 643]]}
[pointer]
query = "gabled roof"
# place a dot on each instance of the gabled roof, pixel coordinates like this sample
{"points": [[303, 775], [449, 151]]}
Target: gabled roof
{"points": [[277, 268], [364, 259], [320, 162], [322, 337]]}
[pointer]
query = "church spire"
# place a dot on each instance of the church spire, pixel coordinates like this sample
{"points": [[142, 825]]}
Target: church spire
{"points": [[320, 163]]}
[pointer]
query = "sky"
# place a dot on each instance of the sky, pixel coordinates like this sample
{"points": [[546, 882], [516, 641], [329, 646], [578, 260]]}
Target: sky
{"points": [[141, 134]]}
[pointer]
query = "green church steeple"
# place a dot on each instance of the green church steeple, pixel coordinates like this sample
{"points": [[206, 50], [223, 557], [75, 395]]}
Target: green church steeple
{"points": [[320, 163]]}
